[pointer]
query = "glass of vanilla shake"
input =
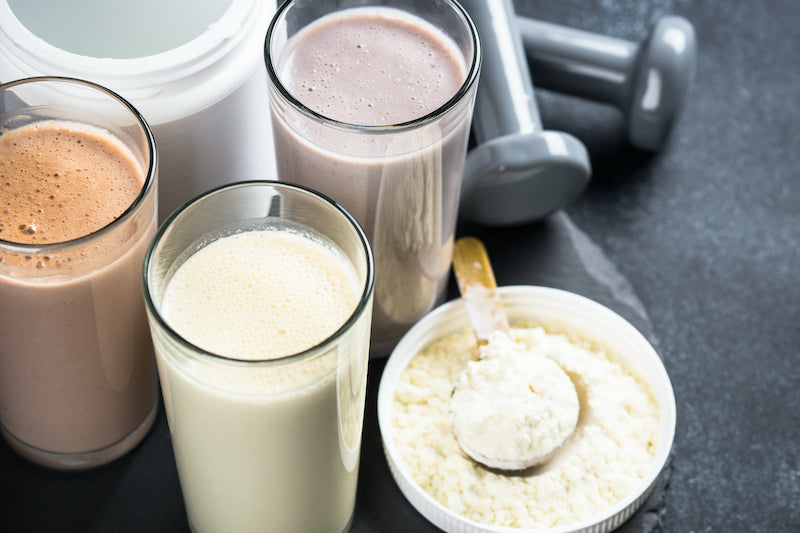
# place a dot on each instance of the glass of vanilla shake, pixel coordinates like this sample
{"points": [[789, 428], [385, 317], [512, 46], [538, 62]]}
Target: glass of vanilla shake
{"points": [[371, 104], [259, 296]]}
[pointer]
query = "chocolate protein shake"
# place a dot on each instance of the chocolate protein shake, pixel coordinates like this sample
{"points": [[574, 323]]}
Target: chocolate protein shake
{"points": [[372, 106], [77, 376]]}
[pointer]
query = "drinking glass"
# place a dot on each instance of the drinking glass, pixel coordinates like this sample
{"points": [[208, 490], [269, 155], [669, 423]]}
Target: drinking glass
{"points": [[400, 181], [267, 444], [78, 383]]}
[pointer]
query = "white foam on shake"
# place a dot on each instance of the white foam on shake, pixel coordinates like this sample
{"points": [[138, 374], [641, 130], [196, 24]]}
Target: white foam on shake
{"points": [[260, 295]]}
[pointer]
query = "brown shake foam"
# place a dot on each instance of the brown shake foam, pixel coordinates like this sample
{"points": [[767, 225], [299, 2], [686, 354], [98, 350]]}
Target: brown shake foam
{"points": [[76, 364], [60, 181]]}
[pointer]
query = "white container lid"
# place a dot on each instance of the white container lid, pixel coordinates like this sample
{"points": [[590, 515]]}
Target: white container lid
{"points": [[164, 86], [539, 304]]}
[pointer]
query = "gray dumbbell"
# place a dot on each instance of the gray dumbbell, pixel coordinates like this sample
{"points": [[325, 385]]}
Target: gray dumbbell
{"points": [[648, 81], [517, 172]]}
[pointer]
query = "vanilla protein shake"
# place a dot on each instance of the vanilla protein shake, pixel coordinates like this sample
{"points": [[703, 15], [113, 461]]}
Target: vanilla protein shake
{"points": [[265, 440], [78, 384], [372, 106]]}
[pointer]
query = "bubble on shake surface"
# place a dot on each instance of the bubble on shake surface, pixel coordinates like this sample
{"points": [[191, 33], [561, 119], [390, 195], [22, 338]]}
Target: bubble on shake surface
{"points": [[261, 294]]}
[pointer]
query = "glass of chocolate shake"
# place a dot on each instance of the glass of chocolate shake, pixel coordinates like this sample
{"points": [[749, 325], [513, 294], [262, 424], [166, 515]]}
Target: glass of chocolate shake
{"points": [[78, 383], [371, 105]]}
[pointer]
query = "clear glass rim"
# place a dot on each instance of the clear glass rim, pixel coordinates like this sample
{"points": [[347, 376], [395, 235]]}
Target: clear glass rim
{"points": [[149, 180], [469, 81], [308, 353]]}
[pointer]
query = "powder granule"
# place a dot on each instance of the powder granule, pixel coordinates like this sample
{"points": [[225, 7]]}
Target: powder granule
{"points": [[608, 454]]}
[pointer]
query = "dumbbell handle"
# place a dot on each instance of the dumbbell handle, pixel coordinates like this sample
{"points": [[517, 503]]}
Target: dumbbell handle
{"points": [[577, 62], [505, 103]]}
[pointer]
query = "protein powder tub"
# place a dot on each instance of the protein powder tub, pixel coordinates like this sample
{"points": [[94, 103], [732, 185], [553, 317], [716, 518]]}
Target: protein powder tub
{"points": [[605, 459]]}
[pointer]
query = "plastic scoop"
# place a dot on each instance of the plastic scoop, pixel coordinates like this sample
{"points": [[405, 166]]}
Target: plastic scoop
{"points": [[513, 408]]}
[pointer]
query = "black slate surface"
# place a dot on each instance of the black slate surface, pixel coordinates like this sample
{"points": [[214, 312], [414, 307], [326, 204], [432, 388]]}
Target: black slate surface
{"points": [[699, 246]]}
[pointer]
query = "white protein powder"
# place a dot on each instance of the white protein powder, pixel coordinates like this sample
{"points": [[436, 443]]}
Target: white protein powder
{"points": [[610, 451], [512, 408]]}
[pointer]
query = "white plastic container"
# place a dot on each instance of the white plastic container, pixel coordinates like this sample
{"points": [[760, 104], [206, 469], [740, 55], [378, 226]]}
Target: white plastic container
{"points": [[195, 70], [546, 306]]}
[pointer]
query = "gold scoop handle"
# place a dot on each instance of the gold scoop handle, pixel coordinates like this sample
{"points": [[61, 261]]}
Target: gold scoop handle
{"points": [[478, 288]]}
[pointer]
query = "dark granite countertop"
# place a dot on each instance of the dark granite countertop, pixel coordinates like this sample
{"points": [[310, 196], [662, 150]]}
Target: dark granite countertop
{"points": [[698, 245]]}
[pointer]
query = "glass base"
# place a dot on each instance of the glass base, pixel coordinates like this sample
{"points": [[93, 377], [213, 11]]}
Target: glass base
{"points": [[345, 530], [82, 460]]}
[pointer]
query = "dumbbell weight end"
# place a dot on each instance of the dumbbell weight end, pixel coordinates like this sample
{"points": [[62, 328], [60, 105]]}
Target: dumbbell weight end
{"points": [[523, 177], [517, 172], [647, 81]]}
